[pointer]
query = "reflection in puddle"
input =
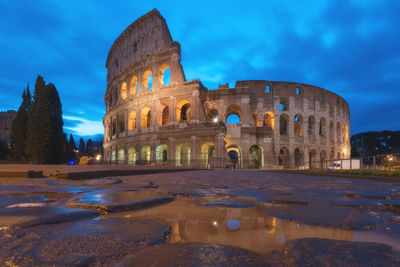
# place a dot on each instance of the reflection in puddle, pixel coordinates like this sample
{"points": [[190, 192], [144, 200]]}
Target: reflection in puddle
{"points": [[248, 228]]}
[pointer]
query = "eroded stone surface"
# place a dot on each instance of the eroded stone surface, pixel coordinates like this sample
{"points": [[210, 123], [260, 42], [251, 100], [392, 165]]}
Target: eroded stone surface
{"points": [[325, 252], [121, 200], [196, 254]]}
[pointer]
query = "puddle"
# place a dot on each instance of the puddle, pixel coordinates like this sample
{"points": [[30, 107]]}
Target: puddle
{"points": [[37, 197], [248, 228]]}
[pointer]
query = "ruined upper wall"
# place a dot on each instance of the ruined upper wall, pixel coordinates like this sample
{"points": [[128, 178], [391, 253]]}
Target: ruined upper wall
{"points": [[147, 36]]}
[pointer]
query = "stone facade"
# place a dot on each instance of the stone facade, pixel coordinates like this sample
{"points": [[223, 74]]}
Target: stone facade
{"points": [[151, 120], [6, 118]]}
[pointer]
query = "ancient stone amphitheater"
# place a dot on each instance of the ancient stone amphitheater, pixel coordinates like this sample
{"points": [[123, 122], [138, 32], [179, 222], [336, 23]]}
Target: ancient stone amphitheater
{"points": [[155, 116]]}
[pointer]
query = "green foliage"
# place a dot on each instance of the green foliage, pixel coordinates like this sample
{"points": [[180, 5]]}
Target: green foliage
{"points": [[19, 128], [45, 137], [89, 147], [81, 146], [70, 149]]}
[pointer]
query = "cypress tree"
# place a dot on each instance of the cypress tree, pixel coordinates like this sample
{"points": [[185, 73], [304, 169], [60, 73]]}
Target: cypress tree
{"points": [[71, 149], [89, 147], [81, 146], [19, 127], [45, 137]]}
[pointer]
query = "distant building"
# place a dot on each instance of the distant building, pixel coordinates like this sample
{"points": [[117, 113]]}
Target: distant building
{"points": [[6, 118]]}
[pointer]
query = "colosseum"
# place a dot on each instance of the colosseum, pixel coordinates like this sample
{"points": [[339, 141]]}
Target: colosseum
{"points": [[155, 116]]}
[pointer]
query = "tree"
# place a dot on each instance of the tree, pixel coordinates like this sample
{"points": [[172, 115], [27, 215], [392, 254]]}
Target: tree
{"points": [[45, 136], [89, 147], [4, 150], [81, 146], [70, 150], [19, 127]]}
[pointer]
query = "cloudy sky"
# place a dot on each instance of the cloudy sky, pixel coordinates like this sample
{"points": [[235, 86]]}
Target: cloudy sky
{"points": [[351, 47]]}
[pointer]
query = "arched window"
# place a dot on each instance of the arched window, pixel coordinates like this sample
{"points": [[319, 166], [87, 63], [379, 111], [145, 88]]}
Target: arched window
{"points": [[124, 90], [233, 118], [131, 156], [298, 157], [183, 155], [183, 111], [322, 127], [233, 114], [283, 158], [256, 157], [132, 121], [310, 125], [213, 115], [134, 85], [145, 154], [269, 120], [162, 154], [164, 75], [147, 80], [121, 123], [163, 115], [283, 125], [145, 118], [121, 156], [298, 129]]}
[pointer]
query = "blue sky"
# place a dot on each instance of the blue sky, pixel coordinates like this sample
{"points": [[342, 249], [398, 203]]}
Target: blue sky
{"points": [[349, 47]]}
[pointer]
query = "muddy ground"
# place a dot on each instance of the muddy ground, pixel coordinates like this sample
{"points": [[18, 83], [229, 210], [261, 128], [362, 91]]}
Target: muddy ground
{"points": [[198, 218]]}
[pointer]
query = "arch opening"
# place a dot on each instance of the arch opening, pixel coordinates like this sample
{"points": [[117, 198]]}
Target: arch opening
{"points": [[183, 155], [131, 156], [207, 153], [164, 75], [132, 121], [124, 90], [269, 120], [145, 118], [256, 156], [283, 124], [162, 154], [235, 155], [147, 80], [284, 158], [298, 123], [121, 156], [134, 85], [145, 153], [183, 111]]}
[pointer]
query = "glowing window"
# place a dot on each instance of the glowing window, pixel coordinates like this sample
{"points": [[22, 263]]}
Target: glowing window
{"points": [[233, 118], [124, 90]]}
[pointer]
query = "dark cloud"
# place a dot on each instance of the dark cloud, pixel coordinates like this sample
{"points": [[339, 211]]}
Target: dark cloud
{"points": [[347, 46]]}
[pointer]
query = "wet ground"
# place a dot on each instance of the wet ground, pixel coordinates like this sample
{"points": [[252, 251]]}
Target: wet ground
{"points": [[200, 218]]}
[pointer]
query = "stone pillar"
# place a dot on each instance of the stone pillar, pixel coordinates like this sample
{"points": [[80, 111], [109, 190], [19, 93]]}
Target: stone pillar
{"points": [[193, 152]]}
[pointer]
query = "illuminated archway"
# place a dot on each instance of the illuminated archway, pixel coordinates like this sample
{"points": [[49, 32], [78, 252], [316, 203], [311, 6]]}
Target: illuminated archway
{"points": [[145, 154], [131, 156], [145, 118], [121, 156], [183, 155], [163, 115], [256, 156], [233, 114], [207, 152], [164, 75], [298, 125], [134, 85], [147, 80], [183, 111], [124, 90], [132, 121], [235, 155], [269, 120], [162, 154]]}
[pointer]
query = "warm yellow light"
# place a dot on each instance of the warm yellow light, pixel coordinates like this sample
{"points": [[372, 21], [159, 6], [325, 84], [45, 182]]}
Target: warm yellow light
{"points": [[98, 157], [215, 119], [390, 158], [215, 223]]}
